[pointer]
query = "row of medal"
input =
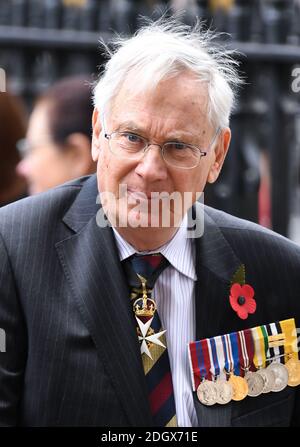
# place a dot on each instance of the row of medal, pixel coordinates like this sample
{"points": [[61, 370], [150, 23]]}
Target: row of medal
{"points": [[246, 363]]}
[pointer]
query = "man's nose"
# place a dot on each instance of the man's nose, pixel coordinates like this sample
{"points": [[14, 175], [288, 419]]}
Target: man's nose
{"points": [[152, 166], [23, 167]]}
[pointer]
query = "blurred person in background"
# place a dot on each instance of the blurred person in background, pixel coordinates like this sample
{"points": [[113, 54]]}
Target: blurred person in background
{"points": [[12, 128], [58, 143]]}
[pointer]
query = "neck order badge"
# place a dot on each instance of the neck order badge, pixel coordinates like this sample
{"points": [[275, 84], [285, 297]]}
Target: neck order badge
{"points": [[143, 271]]}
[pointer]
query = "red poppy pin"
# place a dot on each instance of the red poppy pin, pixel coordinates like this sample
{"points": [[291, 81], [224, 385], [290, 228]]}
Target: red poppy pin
{"points": [[241, 295]]}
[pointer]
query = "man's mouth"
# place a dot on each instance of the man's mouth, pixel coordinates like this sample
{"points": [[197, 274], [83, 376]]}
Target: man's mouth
{"points": [[139, 195]]}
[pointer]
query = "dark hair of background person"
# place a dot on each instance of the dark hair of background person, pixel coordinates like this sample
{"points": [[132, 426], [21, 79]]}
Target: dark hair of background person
{"points": [[70, 108], [12, 129], [57, 147]]}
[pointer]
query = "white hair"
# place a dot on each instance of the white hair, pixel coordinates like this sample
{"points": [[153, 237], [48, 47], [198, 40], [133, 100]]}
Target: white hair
{"points": [[163, 49]]}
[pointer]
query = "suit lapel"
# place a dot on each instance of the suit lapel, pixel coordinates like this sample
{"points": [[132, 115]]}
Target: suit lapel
{"points": [[92, 267], [215, 265]]}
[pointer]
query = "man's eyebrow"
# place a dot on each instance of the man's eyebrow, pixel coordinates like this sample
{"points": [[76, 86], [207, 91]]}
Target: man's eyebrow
{"points": [[130, 125], [183, 136]]}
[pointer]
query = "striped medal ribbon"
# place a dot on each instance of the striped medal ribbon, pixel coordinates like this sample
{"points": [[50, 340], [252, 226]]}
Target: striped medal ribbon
{"points": [[207, 390], [238, 383], [254, 381], [291, 351], [217, 361], [261, 348]]}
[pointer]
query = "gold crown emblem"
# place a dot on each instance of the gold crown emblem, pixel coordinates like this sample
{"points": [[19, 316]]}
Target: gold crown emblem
{"points": [[144, 307]]}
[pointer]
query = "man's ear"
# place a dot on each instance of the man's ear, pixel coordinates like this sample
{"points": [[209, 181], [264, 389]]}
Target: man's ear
{"points": [[220, 152], [78, 151], [96, 123]]}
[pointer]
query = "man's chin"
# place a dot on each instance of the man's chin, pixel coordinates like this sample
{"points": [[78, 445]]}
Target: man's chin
{"points": [[151, 220]]}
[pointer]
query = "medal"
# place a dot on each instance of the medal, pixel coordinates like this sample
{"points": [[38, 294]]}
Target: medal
{"points": [[144, 308], [200, 362], [255, 383], [239, 387], [260, 338], [293, 368], [207, 392], [260, 348], [276, 341], [224, 391], [268, 378], [288, 327], [224, 388], [232, 366], [239, 384], [281, 376]]}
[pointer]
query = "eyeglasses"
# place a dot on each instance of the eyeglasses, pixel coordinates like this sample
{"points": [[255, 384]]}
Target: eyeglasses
{"points": [[177, 154]]}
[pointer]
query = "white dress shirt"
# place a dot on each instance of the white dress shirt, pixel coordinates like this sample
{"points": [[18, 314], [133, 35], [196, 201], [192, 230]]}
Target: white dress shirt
{"points": [[174, 296]]}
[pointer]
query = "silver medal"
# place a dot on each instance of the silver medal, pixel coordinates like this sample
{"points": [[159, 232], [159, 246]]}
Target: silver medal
{"points": [[269, 379], [207, 393], [224, 391], [255, 383], [281, 376]]}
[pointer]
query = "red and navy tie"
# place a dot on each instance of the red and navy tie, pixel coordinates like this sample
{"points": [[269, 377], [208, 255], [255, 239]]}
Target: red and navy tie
{"points": [[145, 269]]}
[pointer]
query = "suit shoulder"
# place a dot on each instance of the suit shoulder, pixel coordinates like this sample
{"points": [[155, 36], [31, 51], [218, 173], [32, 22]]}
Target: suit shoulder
{"points": [[245, 235], [40, 209]]}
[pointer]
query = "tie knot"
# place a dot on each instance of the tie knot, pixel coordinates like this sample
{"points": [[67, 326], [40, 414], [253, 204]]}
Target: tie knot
{"points": [[147, 265]]}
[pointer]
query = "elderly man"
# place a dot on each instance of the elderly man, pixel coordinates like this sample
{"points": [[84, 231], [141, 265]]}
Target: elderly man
{"points": [[104, 282]]}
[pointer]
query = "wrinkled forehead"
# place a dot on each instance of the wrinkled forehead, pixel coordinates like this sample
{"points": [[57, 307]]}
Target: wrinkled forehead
{"points": [[181, 101]]}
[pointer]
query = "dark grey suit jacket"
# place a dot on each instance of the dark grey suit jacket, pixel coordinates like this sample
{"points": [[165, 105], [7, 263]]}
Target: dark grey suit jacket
{"points": [[72, 356]]}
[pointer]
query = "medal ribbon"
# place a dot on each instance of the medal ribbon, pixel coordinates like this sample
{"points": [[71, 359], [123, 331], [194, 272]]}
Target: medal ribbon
{"points": [[233, 340], [245, 356], [221, 356], [266, 342], [291, 348], [228, 346], [194, 364], [275, 350], [215, 367], [206, 359], [227, 365], [199, 362], [250, 347], [259, 358]]}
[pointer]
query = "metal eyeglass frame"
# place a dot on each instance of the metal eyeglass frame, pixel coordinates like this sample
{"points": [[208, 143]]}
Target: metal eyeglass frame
{"points": [[148, 144]]}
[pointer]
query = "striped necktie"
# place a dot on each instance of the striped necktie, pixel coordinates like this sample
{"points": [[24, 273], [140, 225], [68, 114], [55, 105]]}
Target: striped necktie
{"points": [[143, 271]]}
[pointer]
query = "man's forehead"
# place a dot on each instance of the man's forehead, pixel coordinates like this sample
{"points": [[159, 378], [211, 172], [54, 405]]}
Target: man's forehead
{"points": [[186, 82], [134, 109]]}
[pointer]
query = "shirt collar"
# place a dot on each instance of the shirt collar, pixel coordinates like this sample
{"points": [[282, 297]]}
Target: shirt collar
{"points": [[179, 251]]}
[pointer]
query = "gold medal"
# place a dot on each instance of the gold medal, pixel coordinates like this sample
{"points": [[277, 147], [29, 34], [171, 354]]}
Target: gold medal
{"points": [[293, 367], [239, 387]]}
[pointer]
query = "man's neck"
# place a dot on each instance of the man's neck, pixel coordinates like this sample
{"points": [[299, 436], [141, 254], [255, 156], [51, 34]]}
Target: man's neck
{"points": [[144, 239]]}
